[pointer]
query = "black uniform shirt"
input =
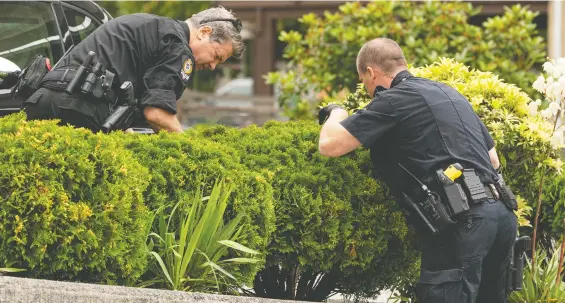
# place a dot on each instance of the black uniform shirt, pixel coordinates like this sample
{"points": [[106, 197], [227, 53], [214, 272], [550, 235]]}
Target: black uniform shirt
{"points": [[150, 51], [424, 125]]}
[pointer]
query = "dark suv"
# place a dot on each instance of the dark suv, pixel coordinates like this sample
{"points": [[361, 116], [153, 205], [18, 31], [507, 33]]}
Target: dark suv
{"points": [[28, 28]]}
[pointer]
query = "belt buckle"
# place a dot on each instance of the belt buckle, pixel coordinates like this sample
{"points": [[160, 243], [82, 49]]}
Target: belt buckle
{"points": [[494, 191]]}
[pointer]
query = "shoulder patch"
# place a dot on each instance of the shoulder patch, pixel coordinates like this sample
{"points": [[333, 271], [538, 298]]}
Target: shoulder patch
{"points": [[186, 69]]}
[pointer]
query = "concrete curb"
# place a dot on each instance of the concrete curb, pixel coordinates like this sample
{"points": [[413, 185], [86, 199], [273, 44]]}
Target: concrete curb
{"points": [[22, 290]]}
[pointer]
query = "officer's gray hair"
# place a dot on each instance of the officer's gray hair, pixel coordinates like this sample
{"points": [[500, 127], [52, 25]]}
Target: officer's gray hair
{"points": [[222, 31], [383, 53]]}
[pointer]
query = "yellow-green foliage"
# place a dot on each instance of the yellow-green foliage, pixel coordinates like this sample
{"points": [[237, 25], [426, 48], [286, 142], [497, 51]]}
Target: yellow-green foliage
{"points": [[522, 141], [74, 205], [71, 203], [323, 58]]}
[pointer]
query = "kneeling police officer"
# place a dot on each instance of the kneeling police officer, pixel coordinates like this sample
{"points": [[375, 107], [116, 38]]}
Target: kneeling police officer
{"points": [[150, 57], [437, 157]]}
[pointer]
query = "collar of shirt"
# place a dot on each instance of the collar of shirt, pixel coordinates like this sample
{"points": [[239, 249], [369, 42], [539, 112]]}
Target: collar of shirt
{"points": [[403, 75], [378, 89], [186, 30]]}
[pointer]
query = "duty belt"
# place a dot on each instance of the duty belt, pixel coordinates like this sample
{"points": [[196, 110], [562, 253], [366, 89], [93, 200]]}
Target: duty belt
{"points": [[59, 79], [491, 192]]}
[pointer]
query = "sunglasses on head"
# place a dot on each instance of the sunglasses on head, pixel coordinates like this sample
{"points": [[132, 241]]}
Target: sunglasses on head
{"points": [[235, 22]]}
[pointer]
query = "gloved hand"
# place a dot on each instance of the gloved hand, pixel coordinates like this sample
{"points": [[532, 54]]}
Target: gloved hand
{"points": [[324, 113]]}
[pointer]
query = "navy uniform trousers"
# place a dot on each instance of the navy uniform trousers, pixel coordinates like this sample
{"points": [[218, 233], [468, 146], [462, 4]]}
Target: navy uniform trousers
{"points": [[468, 261]]}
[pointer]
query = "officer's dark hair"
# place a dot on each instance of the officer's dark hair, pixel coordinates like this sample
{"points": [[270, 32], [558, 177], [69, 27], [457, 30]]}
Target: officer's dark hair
{"points": [[225, 27], [383, 53]]}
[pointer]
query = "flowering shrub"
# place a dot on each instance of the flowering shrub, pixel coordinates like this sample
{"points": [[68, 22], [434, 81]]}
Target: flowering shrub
{"points": [[552, 86]]}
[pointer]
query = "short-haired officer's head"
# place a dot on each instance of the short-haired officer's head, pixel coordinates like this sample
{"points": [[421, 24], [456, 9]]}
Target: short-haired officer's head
{"points": [[215, 35], [378, 61]]}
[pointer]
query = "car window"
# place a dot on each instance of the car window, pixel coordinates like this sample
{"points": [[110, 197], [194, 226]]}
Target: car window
{"points": [[27, 29], [80, 25]]}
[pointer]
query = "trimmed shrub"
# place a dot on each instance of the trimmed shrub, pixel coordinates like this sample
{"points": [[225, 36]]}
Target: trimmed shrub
{"points": [[75, 205], [71, 203], [333, 220], [179, 165]]}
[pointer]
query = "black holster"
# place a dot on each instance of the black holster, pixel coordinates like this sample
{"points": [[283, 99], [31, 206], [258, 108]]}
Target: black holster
{"points": [[125, 112], [506, 195], [517, 259]]}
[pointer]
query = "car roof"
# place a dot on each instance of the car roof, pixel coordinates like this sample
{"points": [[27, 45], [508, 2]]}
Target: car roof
{"points": [[88, 6]]}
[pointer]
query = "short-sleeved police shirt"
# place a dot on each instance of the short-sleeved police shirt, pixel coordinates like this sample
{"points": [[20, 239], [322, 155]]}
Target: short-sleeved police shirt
{"points": [[423, 125], [150, 51]]}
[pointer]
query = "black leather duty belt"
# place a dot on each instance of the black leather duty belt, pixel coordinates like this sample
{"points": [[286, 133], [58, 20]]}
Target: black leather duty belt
{"points": [[59, 79]]}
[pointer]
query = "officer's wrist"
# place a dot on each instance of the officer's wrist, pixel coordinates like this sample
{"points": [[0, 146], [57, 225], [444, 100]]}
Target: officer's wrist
{"points": [[339, 113]]}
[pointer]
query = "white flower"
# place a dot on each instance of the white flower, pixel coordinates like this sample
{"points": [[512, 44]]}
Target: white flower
{"points": [[533, 108], [557, 139], [539, 84], [558, 70], [549, 93], [554, 108], [561, 84], [546, 113], [556, 91], [548, 67]]}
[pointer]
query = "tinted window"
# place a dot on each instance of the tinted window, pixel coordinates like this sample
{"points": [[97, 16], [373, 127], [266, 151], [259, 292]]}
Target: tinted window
{"points": [[80, 25], [27, 29]]}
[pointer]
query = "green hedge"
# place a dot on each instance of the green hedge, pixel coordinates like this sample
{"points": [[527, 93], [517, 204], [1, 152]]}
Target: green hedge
{"points": [[332, 217], [179, 164], [75, 206], [71, 203]]}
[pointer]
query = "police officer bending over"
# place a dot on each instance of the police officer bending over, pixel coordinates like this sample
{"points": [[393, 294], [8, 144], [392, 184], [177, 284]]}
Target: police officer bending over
{"points": [[429, 147], [157, 55]]}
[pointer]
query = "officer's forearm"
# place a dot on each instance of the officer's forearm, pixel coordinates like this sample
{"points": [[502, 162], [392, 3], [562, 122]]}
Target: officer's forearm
{"points": [[335, 140], [494, 158], [162, 120]]}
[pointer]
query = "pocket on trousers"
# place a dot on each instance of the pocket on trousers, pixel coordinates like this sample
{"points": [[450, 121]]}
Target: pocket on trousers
{"points": [[70, 115], [442, 286], [34, 98]]}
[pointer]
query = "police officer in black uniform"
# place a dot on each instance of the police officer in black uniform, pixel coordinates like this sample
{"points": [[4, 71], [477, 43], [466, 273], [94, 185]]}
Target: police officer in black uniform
{"points": [[424, 126], [157, 55]]}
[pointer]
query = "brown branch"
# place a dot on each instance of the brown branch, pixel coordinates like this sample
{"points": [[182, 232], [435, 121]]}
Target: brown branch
{"points": [[536, 219], [538, 207]]}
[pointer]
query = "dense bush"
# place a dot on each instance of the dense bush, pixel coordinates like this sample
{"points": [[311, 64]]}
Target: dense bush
{"points": [[71, 203], [333, 221], [179, 165], [75, 206], [323, 59]]}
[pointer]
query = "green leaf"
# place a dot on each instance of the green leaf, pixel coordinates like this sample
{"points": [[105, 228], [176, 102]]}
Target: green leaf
{"points": [[163, 267], [242, 260], [220, 269], [238, 246]]}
